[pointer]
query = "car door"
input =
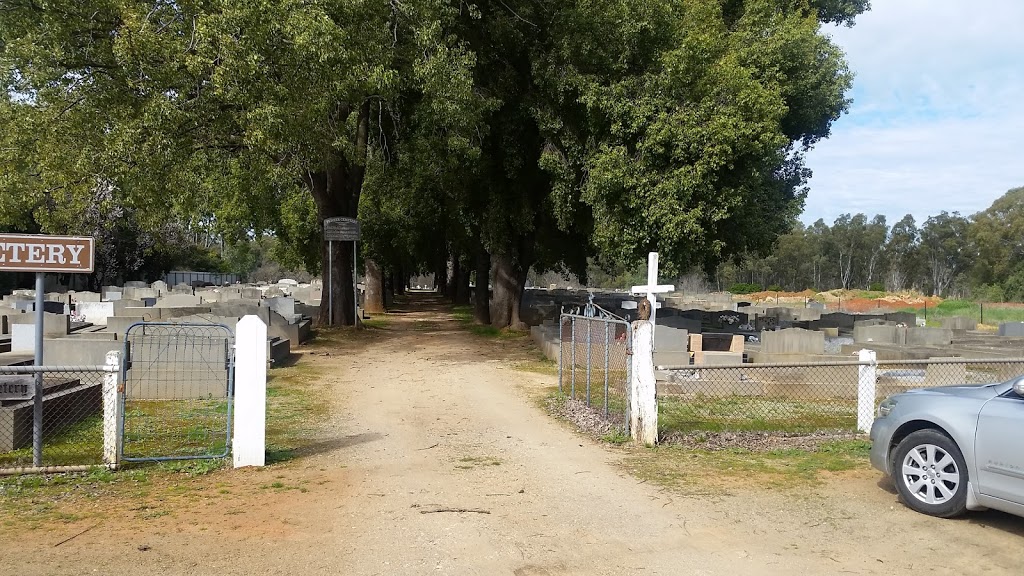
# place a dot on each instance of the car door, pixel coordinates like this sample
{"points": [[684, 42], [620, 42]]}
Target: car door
{"points": [[1000, 457]]}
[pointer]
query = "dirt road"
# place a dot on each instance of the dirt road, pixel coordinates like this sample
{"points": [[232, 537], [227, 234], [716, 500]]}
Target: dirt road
{"points": [[438, 461]]}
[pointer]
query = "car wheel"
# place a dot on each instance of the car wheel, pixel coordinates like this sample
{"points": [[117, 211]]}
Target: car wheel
{"points": [[930, 474]]}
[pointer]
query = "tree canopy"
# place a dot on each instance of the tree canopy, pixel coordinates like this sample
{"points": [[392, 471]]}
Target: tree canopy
{"points": [[477, 139]]}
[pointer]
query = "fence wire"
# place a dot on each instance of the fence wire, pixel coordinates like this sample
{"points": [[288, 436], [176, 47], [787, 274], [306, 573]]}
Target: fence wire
{"points": [[178, 391], [72, 415], [803, 398], [594, 364], [778, 398]]}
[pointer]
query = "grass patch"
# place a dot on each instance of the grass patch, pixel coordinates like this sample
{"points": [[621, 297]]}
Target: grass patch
{"points": [[700, 471], [175, 428], [464, 315], [540, 365], [753, 414], [993, 313], [78, 444], [378, 321]]}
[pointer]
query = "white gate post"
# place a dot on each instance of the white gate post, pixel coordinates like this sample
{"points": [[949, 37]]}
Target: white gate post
{"points": [[867, 374], [112, 421], [250, 422], [643, 418]]}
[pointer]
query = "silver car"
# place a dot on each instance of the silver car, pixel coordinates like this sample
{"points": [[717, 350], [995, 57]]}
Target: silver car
{"points": [[954, 448]]}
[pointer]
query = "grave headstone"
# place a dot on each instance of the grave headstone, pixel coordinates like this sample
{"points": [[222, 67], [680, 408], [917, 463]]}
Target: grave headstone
{"points": [[24, 306], [95, 312], [959, 323], [160, 286], [112, 295], [865, 333], [680, 322], [929, 337], [135, 284], [905, 318], [670, 346], [55, 307], [793, 341], [1012, 329], [178, 300], [86, 297], [251, 294]]}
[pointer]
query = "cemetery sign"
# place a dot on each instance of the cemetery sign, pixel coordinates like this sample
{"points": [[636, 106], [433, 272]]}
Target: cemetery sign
{"points": [[16, 387], [341, 229], [31, 253]]}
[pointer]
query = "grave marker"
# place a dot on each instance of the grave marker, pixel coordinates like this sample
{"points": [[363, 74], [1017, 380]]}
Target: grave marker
{"points": [[652, 288]]}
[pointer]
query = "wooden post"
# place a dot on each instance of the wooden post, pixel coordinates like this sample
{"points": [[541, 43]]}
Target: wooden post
{"points": [[250, 421], [866, 390], [643, 404], [112, 421]]}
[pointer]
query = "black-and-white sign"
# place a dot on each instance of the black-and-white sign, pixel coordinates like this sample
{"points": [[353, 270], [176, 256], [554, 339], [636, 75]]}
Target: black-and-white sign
{"points": [[341, 229], [16, 387]]}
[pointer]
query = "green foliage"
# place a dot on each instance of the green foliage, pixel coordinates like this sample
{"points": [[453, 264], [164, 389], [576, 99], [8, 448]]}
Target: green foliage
{"points": [[744, 288], [1013, 288], [545, 133], [990, 293], [775, 288], [877, 287]]}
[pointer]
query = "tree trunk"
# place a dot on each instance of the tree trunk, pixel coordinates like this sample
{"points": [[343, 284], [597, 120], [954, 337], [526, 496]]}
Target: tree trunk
{"points": [[441, 276], [461, 297], [389, 290], [505, 287], [337, 278], [336, 191], [374, 301], [517, 299], [401, 282], [482, 293], [454, 269]]}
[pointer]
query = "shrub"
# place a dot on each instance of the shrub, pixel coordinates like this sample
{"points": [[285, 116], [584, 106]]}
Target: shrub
{"points": [[877, 287], [775, 288], [744, 288]]}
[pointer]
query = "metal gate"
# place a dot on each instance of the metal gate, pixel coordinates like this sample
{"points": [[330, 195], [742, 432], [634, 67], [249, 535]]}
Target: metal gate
{"points": [[594, 360], [178, 392]]}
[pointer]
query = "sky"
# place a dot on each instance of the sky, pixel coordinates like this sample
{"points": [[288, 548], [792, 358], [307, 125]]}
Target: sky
{"points": [[937, 119]]}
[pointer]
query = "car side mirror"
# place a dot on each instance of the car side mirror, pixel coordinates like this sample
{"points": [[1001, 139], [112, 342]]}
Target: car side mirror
{"points": [[1018, 387]]}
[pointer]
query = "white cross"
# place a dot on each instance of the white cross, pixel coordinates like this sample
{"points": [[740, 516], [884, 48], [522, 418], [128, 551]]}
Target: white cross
{"points": [[652, 286]]}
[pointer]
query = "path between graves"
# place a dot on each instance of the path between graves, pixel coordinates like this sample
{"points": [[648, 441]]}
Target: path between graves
{"points": [[438, 461]]}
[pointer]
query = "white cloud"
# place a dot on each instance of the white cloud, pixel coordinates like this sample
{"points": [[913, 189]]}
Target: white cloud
{"points": [[937, 122]]}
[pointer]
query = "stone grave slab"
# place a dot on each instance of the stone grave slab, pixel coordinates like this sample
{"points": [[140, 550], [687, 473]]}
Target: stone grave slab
{"points": [[670, 346], [793, 341], [95, 312], [179, 300], [929, 336], [1012, 329], [959, 323]]}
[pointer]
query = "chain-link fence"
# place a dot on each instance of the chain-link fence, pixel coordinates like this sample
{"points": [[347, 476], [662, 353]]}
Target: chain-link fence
{"points": [[178, 391], [64, 426], [776, 398], [798, 398], [594, 362]]}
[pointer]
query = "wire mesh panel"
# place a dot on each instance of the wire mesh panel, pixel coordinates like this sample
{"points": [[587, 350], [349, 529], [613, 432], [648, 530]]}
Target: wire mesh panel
{"points": [[803, 398], [179, 388], [594, 362], [749, 398], [71, 409]]}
